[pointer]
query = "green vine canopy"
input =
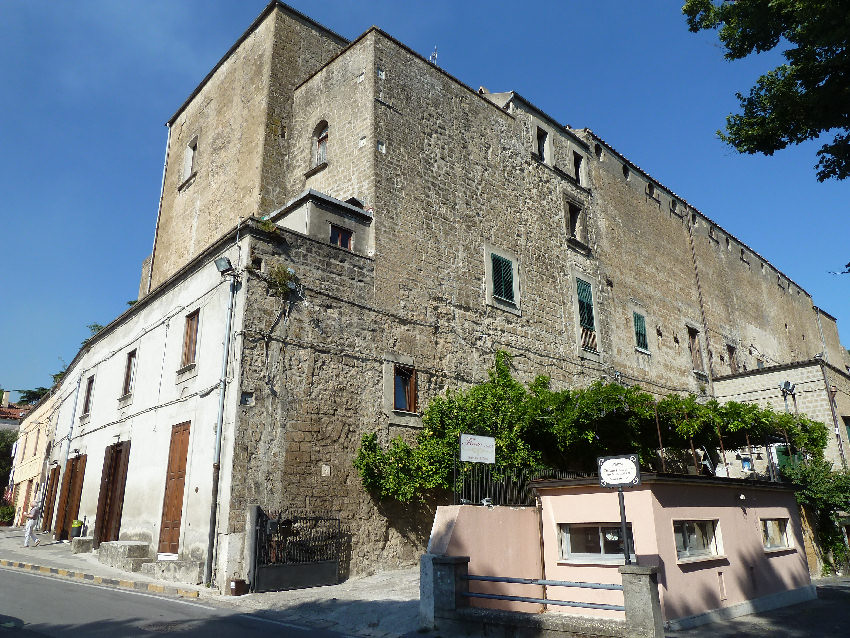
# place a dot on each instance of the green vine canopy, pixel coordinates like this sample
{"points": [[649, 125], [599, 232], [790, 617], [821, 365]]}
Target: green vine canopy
{"points": [[536, 427]]}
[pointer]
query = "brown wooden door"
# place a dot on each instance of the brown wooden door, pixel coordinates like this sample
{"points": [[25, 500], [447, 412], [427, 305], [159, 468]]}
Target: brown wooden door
{"points": [[50, 498], [110, 502], [172, 505], [69, 497]]}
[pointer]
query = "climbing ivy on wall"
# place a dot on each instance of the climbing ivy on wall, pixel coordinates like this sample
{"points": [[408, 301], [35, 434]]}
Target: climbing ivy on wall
{"points": [[536, 427]]}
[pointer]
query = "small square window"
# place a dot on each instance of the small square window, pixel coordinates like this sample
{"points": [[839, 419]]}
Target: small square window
{"points": [[695, 538], [775, 533], [404, 389], [190, 339], [341, 237]]}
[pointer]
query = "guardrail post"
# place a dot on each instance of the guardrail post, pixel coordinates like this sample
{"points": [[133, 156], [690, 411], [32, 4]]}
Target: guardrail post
{"points": [[442, 583], [640, 596]]}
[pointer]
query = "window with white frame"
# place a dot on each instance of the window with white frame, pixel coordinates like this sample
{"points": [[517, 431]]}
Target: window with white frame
{"points": [[501, 271], [696, 539], [129, 374], [775, 533], [587, 542]]}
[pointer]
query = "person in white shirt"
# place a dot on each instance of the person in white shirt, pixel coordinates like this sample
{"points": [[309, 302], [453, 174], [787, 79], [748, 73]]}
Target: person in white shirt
{"points": [[32, 517]]}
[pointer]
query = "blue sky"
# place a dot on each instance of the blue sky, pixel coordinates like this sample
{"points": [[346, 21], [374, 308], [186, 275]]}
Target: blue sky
{"points": [[86, 87]]}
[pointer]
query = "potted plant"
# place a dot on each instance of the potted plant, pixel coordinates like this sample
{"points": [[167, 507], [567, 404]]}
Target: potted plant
{"points": [[7, 515], [76, 529]]}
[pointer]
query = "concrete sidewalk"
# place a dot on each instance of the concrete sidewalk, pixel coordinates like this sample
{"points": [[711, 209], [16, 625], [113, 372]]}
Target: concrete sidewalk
{"points": [[384, 605]]}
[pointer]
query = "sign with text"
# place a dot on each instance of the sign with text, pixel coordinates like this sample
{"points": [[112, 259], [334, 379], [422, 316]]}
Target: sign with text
{"points": [[478, 449], [619, 471]]}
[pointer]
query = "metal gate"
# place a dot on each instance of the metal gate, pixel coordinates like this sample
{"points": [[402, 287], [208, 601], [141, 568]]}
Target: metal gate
{"points": [[295, 551]]}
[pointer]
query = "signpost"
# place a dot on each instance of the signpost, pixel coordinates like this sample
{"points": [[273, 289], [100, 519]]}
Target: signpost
{"points": [[474, 449], [619, 471]]}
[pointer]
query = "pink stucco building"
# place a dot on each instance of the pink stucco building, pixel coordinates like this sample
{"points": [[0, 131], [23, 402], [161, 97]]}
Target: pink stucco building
{"points": [[723, 547]]}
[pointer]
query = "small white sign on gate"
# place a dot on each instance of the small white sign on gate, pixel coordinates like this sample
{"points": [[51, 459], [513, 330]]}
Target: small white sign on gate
{"points": [[478, 449]]}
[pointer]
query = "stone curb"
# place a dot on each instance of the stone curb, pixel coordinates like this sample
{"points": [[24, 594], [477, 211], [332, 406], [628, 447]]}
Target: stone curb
{"points": [[100, 580]]}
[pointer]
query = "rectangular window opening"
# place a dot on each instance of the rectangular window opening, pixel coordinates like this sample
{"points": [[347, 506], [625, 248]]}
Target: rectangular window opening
{"points": [[696, 352], [640, 331], [577, 160], [189, 158], [695, 538], [404, 389], [190, 339], [585, 315], [593, 542], [341, 237], [733, 362], [503, 278], [322, 146], [542, 141], [129, 374], [575, 221], [88, 395], [775, 533]]}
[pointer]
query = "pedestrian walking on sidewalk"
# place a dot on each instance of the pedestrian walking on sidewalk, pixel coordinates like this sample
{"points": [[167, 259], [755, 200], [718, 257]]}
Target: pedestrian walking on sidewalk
{"points": [[32, 517]]}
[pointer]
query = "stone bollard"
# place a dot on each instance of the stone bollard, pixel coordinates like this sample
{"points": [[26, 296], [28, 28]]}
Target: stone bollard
{"points": [[640, 596], [442, 581], [81, 544]]}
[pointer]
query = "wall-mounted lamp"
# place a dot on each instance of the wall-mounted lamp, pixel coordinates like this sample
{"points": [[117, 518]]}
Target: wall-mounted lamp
{"points": [[224, 266]]}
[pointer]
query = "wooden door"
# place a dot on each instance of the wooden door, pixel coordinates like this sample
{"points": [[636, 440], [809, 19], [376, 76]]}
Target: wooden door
{"points": [[110, 502], [50, 498], [175, 479], [69, 497], [26, 508]]}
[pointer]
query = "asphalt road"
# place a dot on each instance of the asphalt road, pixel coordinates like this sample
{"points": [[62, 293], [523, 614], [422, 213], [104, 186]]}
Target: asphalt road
{"points": [[36, 605]]}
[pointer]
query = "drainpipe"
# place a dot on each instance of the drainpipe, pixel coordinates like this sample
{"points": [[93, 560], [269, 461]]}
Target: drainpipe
{"points": [[234, 277]]}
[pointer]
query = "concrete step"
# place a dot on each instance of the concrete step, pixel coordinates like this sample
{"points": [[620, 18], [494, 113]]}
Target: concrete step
{"points": [[177, 571], [126, 555]]}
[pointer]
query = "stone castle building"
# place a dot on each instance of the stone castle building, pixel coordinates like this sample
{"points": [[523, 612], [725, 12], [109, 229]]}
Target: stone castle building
{"points": [[390, 230]]}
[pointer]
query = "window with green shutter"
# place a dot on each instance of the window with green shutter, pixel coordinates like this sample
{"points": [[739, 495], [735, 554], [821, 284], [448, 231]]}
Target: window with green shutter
{"points": [[503, 277], [640, 331], [585, 305]]}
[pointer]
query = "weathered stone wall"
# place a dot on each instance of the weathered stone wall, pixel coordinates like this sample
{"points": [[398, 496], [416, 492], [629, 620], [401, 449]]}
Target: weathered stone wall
{"points": [[299, 49], [238, 119], [343, 95], [314, 365]]}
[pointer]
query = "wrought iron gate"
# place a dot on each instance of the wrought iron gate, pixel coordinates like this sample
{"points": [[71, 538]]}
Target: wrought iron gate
{"points": [[296, 551]]}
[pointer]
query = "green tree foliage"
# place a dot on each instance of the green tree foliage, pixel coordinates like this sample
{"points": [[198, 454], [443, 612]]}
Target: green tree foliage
{"points": [[7, 440], [799, 100], [827, 493], [94, 328], [32, 396], [537, 427]]}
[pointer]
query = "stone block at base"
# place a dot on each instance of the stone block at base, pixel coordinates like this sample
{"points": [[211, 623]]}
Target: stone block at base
{"points": [[176, 571], [81, 544]]}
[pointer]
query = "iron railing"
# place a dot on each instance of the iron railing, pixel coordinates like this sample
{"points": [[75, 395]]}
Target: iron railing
{"points": [[483, 484], [545, 601]]}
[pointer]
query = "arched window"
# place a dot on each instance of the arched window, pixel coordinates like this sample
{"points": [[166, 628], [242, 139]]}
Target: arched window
{"points": [[320, 141]]}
